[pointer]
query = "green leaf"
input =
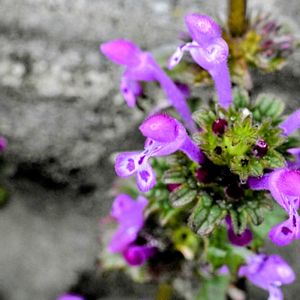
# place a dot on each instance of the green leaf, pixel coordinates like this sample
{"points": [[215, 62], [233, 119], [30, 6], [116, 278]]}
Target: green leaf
{"points": [[182, 196]]}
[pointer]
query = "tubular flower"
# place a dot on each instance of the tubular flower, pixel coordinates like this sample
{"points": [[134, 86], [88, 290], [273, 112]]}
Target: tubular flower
{"points": [[209, 51], [141, 66], [130, 216], [165, 135], [238, 239], [284, 185], [268, 273]]}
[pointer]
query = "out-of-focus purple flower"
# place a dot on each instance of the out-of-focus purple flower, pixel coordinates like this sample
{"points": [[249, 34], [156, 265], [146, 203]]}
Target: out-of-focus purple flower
{"points": [[137, 255], [268, 273], [238, 239], [141, 66], [291, 123], [130, 216], [296, 153], [165, 135], [70, 296], [284, 185], [209, 51], [3, 143]]}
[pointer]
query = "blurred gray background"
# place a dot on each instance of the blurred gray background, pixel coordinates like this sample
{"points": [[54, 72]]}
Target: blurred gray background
{"points": [[63, 116]]}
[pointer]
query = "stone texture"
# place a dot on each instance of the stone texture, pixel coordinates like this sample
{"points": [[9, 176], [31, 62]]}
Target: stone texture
{"points": [[63, 116]]}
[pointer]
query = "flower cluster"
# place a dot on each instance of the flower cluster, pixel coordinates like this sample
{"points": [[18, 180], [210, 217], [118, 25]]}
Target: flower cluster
{"points": [[206, 192]]}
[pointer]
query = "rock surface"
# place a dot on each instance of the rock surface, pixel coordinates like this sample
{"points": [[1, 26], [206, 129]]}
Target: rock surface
{"points": [[63, 117]]}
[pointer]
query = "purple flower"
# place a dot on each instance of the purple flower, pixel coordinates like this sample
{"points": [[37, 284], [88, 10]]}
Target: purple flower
{"points": [[70, 297], [284, 185], [141, 66], [130, 216], [165, 135], [137, 255], [291, 123], [268, 273], [238, 239], [209, 51]]}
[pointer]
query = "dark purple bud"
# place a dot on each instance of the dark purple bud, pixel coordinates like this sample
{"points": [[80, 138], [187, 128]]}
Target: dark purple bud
{"points": [[219, 126], [203, 175], [260, 149], [173, 186], [234, 191], [240, 239]]}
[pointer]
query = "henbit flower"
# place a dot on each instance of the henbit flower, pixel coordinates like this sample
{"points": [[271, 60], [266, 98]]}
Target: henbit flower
{"points": [[70, 296], [291, 123], [136, 255], [209, 51], [268, 273], [165, 135], [284, 185], [141, 66], [238, 239], [130, 216]]}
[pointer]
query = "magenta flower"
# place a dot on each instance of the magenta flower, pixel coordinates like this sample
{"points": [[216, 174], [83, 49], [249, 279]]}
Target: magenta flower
{"points": [[130, 216], [209, 51], [70, 297], [165, 135], [268, 273], [141, 66], [284, 185], [137, 255], [238, 239]]}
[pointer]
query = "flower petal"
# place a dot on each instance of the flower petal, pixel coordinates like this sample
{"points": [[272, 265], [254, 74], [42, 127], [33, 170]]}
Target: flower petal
{"points": [[284, 233], [291, 123], [123, 237], [121, 205], [145, 177], [130, 90], [160, 128], [126, 163], [121, 52]]}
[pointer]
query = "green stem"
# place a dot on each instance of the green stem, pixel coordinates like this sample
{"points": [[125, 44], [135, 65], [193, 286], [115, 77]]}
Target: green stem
{"points": [[237, 17]]}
